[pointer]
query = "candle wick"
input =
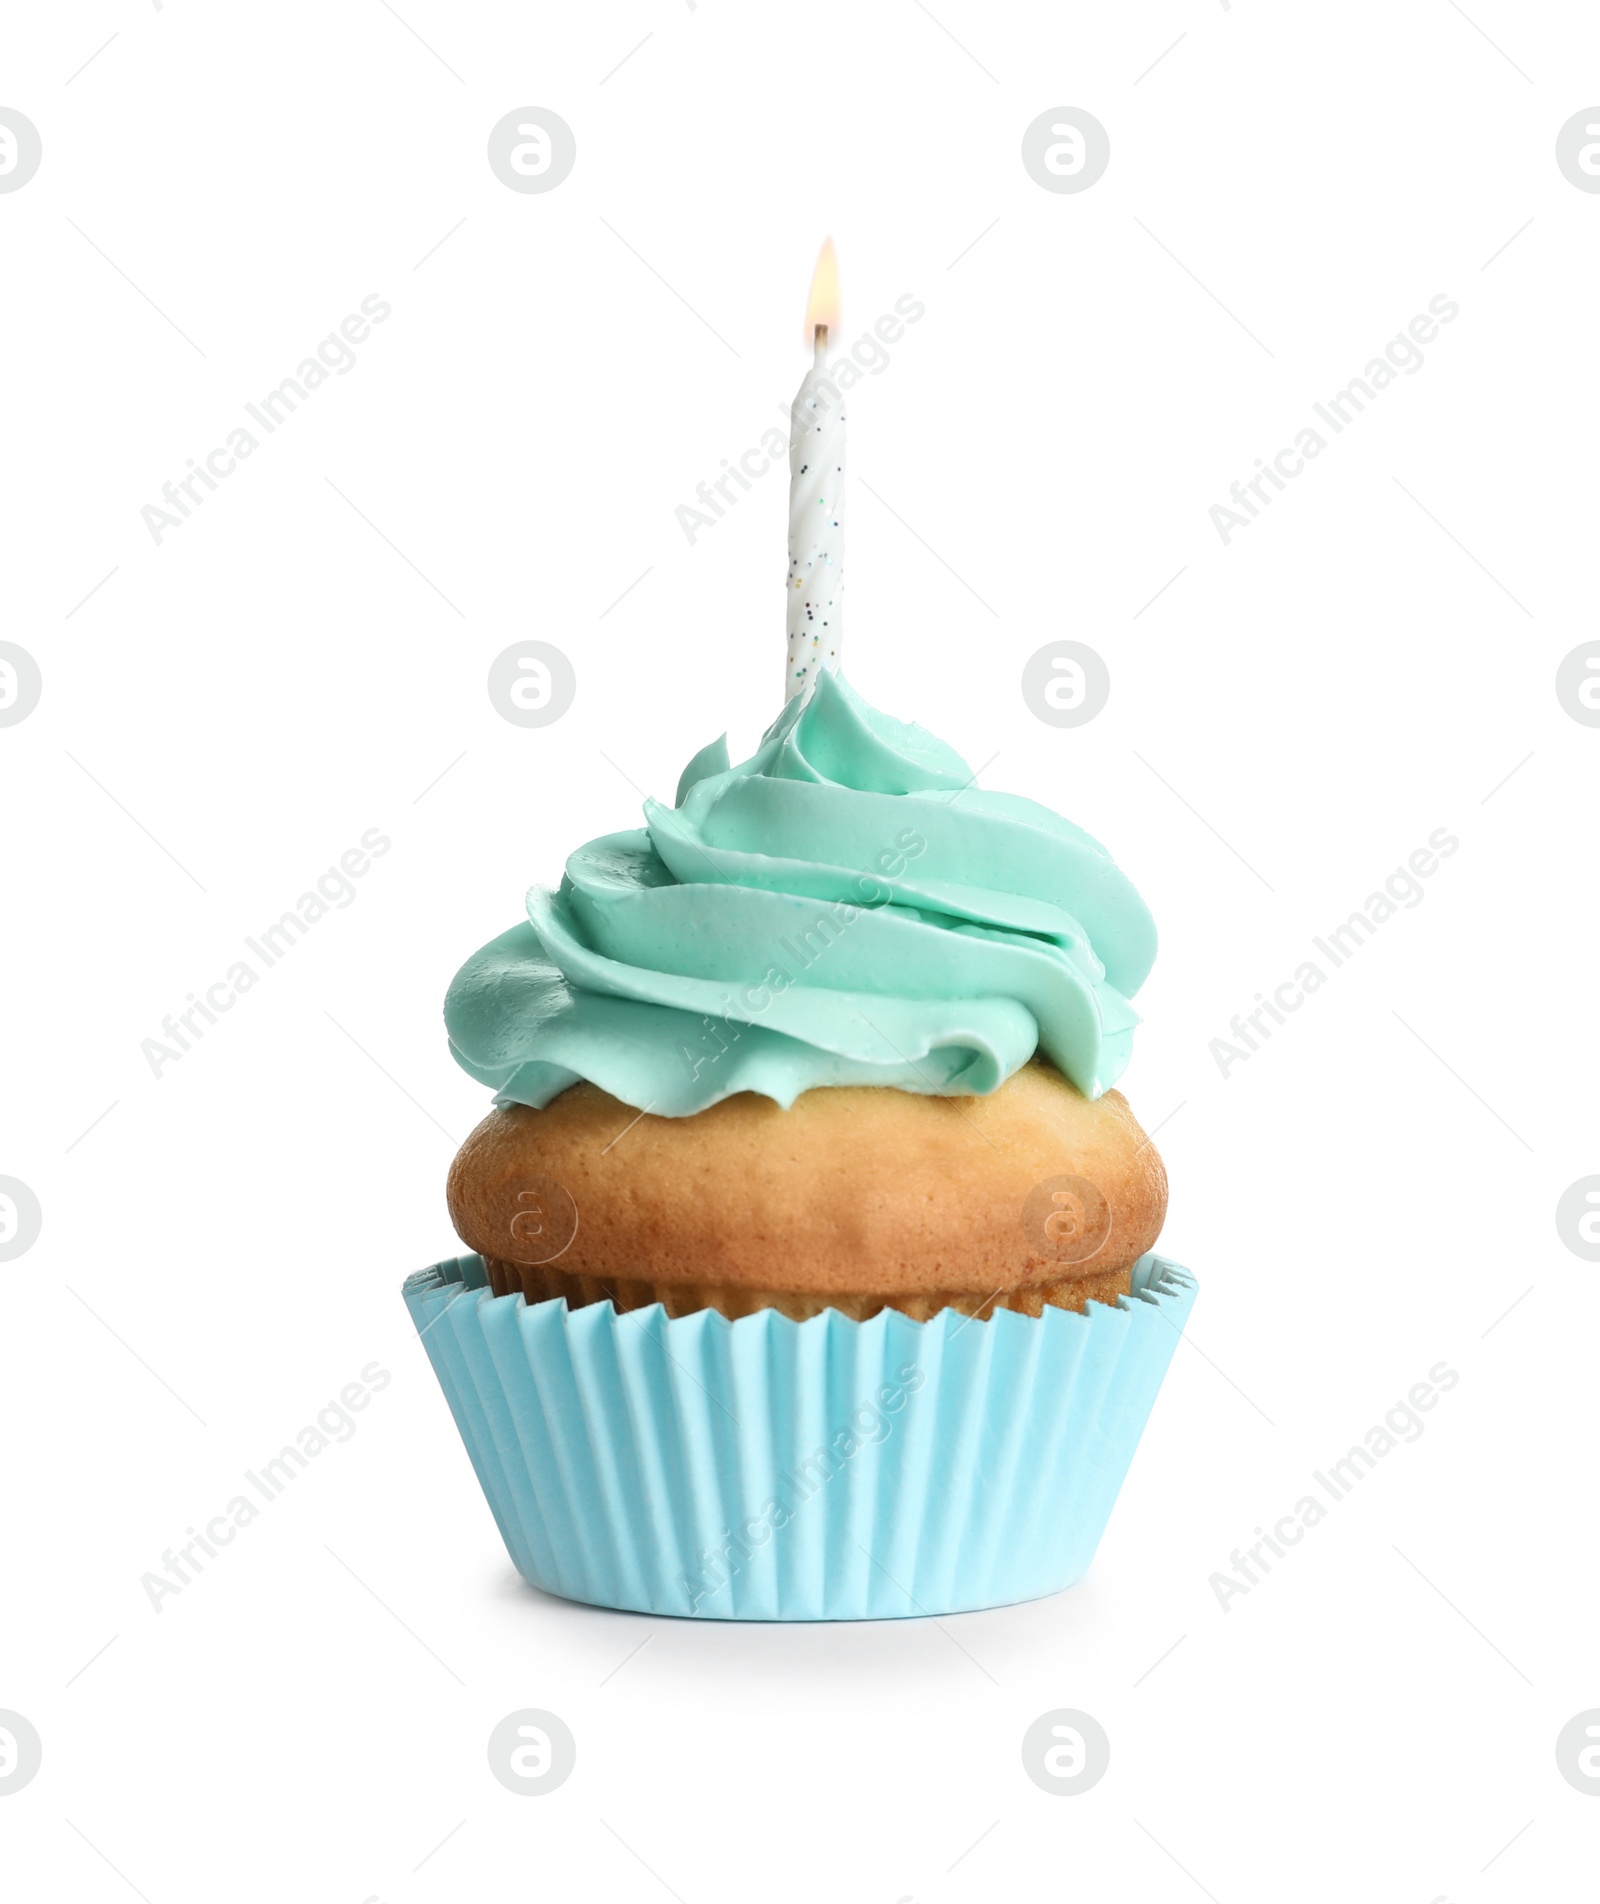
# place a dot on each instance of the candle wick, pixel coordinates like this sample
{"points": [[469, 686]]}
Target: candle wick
{"points": [[819, 338]]}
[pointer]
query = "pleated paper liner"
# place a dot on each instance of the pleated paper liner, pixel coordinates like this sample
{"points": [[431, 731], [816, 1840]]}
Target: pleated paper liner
{"points": [[764, 1469]]}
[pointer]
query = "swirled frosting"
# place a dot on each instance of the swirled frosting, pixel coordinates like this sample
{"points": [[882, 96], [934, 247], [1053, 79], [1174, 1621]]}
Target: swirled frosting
{"points": [[846, 907]]}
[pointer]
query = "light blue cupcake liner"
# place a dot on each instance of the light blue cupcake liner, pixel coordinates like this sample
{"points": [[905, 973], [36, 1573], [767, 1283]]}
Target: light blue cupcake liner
{"points": [[766, 1469]]}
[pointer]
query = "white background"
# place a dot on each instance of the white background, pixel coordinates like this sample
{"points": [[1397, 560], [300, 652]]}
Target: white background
{"points": [[1288, 721]]}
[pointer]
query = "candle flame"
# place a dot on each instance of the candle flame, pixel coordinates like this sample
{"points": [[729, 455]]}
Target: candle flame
{"points": [[823, 305]]}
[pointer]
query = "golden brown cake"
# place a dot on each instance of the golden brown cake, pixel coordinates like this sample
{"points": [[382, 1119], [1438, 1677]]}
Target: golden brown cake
{"points": [[856, 1198]]}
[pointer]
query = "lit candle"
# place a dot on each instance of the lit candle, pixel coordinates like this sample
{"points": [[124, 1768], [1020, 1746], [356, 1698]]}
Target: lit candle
{"points": [[816, 496]]}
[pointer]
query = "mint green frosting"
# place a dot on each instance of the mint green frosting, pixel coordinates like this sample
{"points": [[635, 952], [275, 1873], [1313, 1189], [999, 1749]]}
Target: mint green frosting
{"points": [[846, 907]]}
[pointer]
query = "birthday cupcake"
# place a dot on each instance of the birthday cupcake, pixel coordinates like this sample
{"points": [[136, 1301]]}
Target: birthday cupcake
{"points": [[794, 1084], [811, 1269]]}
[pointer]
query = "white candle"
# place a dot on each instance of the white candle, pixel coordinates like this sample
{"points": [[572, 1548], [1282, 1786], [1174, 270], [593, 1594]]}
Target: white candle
{"points": [[816, 497]]}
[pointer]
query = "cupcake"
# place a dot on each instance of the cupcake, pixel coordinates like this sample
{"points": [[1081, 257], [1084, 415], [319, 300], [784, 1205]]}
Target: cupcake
{"points": [[811, 1268]]}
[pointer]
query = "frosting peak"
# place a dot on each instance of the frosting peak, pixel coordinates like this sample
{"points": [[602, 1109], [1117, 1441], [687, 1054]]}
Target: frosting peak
{"points": [[845, 907]]}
